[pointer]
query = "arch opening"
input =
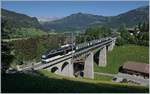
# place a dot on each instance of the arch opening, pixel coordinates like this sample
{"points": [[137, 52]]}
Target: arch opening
{"points": [[54, 69], [78, 69], [64, 65]]}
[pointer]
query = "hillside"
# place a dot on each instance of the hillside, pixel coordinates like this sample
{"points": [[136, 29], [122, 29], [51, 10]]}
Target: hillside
{"points": [[130, 18], [45, 82], [17, 25], [19, 20], [81, 21]]}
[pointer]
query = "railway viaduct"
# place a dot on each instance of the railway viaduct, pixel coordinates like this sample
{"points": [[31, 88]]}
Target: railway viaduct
{"points": [[65, 65]]}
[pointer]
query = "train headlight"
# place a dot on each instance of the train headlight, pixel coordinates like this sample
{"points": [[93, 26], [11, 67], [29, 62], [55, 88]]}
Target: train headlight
{"points": [[43, 56]]}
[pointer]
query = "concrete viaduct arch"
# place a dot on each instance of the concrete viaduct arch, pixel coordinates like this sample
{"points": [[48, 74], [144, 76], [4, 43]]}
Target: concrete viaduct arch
{"points": [[64, 68]]}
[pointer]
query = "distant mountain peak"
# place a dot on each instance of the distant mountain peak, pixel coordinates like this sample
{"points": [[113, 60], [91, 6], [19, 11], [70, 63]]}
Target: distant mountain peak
{"points": [[46, 19], [78, 14], [82, 14]]}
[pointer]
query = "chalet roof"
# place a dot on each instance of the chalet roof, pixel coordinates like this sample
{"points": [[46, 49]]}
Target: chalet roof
{"points": [[133, 29], [139, 67]]}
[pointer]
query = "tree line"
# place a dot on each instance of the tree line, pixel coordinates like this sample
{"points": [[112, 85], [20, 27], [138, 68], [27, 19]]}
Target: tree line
{"points": [[140, 35], [95, 32]]}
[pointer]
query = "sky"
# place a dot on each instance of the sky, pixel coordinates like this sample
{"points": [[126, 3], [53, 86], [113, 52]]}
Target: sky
{"points": [[65, 8]]}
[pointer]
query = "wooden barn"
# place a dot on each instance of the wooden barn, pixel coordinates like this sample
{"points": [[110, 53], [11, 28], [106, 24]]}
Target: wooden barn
{"points": [[134, 68]]}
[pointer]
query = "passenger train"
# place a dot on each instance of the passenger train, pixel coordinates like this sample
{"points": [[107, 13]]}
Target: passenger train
{"points": [[67, 49]]}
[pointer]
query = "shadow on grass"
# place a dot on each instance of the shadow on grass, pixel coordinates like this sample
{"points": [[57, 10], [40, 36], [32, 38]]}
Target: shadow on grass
{"points": [[24, 83]]}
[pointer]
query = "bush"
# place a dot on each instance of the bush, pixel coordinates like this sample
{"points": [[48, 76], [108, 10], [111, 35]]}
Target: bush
{"points": [[120, 41], [143, 42]]}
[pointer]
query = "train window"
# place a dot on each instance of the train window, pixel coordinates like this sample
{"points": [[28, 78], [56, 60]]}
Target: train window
{"points": [[44, 62], [52, 51]]}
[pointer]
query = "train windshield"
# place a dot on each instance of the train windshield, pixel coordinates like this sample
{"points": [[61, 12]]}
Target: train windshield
{"points": [[52, 51]]}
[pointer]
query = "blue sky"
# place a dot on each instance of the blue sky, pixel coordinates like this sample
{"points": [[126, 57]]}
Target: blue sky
{"points": [[65, 8]]}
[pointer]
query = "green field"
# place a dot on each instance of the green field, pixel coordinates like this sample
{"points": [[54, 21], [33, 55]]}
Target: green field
{"points": [[122, 54], [102, 77], [48, 82], [26, 33]]}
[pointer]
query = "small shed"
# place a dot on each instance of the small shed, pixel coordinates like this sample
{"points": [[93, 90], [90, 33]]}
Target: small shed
{"points": [[136, 68]]}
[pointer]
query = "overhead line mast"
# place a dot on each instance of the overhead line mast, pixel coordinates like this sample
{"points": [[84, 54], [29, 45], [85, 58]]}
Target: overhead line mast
{"points": [[72, 45]]}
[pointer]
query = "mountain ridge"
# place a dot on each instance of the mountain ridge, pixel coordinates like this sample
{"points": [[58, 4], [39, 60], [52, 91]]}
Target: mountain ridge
{"points": [[79, 21]]}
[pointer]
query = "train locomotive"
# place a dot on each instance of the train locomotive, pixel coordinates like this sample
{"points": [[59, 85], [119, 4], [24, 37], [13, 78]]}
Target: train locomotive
{"points": [[53, 54]]}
